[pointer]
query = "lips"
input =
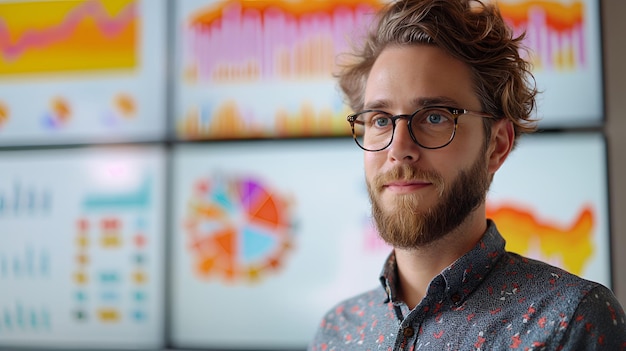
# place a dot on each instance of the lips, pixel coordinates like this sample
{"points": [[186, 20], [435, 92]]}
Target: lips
{"points": [[406, 186]]}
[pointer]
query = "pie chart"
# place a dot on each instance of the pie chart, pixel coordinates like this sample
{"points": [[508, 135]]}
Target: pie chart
{"points": [[239, 229]]}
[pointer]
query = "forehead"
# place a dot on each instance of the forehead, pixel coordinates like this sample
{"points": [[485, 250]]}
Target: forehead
{"points": [[405, 77]]}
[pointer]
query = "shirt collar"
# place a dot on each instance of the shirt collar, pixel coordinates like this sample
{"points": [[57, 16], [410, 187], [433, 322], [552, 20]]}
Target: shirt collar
{"points": [[463, 276]]}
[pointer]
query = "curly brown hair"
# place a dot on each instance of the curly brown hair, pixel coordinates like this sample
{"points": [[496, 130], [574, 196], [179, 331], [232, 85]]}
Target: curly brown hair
{"points": [[470, 31]]}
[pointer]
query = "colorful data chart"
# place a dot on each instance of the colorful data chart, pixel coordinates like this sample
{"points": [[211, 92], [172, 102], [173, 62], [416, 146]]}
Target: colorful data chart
{"points": [[113, 230], [232, 120], [71, 71], [81, 248], [262, 40], [74, 35], [261, 51], [239, 229], [562, 41], [530, 235], [264, 69], [561, 218], [82, 264], [555, 32]]}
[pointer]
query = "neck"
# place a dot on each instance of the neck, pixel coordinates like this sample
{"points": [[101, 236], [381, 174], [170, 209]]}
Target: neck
{"points": [[418, 266]]}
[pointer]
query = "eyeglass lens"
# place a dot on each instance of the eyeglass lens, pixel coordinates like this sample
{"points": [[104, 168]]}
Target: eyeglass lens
{"points": [[430, 127]]}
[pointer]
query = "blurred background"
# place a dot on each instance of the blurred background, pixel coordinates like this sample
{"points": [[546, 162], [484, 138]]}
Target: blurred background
{"points": [[179, 174]]}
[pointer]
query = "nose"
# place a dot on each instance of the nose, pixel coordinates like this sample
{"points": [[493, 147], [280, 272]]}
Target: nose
{"points": [[403, 148]]}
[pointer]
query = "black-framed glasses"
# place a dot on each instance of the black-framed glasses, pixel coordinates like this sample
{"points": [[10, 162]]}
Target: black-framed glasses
{"points": [[431, 127]]}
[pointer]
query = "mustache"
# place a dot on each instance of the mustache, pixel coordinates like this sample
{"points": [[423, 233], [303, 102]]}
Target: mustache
{"points": [[408, 173]]}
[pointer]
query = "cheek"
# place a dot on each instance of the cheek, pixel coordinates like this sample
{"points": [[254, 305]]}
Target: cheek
{"points": [[466, 147], [470, 136]]}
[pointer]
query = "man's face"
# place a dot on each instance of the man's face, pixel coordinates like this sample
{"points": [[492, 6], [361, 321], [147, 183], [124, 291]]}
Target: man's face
{"points": [[420, 195]]}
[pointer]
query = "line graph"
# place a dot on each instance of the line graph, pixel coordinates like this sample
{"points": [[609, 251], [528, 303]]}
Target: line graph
{"points": [[72, 35]]}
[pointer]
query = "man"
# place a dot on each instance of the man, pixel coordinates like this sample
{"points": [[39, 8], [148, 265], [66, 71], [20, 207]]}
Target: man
{"points": [[443, 94]]}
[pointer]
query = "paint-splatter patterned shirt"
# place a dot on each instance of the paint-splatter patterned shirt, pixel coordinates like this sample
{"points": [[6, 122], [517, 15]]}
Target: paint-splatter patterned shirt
{"points": [[489, 299]]}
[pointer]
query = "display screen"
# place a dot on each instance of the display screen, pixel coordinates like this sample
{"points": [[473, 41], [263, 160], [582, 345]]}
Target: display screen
{"points": [[81, 248], [257, 69], [75, 71], [267, 237], [564, 42], [544, 197], [250, 69]]}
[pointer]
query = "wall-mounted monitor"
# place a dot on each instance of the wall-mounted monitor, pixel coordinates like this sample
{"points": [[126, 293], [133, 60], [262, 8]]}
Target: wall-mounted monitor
{"points": [[262, 69], [249, 69], [81, 248], [75, 71], [564, 40], [550, 201], [266, 237]]}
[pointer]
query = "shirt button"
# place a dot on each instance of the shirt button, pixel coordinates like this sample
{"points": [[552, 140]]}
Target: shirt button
{"points": [[408, 332], [456, 298]]}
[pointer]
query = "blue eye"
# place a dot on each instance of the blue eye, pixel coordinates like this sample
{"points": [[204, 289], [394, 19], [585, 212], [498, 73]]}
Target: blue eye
{"points": [[435, 118], [381, 121]]}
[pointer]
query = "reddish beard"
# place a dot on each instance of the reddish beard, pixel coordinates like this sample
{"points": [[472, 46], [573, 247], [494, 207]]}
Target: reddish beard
{"points": [[406, 225]]}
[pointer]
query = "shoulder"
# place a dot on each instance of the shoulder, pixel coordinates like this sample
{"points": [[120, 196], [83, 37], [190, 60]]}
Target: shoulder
{"points": [[541, 275], [542, 282], [598, 322], [352, 321], [590, 316]]}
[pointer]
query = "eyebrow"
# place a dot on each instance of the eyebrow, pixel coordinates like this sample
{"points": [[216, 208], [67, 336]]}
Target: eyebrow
{"points": [[417, 102]]}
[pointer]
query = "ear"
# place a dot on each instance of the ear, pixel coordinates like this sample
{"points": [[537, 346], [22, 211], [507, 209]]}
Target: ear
{"points": [[501, 144]]}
